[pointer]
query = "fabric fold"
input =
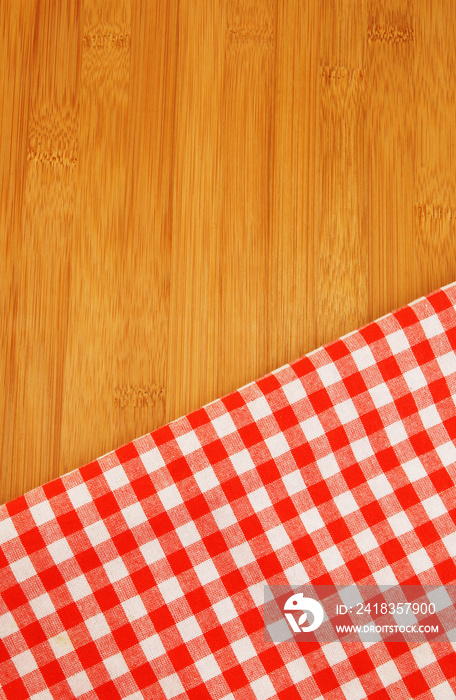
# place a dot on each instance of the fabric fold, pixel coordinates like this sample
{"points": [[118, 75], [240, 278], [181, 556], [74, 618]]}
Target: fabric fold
{"points": [[142, 574]]}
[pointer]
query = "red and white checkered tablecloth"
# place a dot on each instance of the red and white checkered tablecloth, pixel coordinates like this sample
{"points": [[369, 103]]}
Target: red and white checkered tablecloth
{"points": [[141, 575]]}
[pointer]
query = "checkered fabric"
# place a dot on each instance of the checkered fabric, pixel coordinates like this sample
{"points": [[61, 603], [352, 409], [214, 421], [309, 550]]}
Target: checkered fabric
{"points": [[141, 574]]}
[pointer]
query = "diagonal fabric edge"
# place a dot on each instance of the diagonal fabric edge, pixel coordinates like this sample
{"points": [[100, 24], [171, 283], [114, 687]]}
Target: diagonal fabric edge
{"points": [[141, 574]]}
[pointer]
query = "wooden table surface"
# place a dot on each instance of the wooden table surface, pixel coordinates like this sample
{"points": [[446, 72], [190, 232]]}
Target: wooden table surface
{"points": [[194, 193]]}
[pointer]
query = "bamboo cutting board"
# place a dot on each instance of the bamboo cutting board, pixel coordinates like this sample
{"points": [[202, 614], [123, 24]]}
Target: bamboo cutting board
{"points": [[193, 193]]}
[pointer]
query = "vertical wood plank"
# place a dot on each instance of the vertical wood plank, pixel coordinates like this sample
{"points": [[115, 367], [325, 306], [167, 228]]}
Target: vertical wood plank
{"points": [[100, 337], [41, 249], [341, 248], [295, 176], [142, 386], [246, 157], [391, 138], [197, 191], [435, 182], [16, 32]]}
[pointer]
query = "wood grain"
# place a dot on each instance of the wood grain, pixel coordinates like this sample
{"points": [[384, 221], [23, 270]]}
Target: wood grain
{"points": [[195, 193]]}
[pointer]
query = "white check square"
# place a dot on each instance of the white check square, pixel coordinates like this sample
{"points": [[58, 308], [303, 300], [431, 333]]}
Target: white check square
{"points": [[188, 443], [60, 551], [296, 574], [259, 408], [431, 326], [362, 449], [312, 520], [206, 572], [206, 479], [188, 533], [171, 685], [79, 684], [442, 691], [61, 644], [434, 506], [263, 688], [225, 610], [24, 662], [397, 341], [115, 666], [189, 628], [420, 561], [170, 590], [450, 543], [277, 445], [278, 537], [388, 673], [257, 593], [294, 483], [42, 606], [223, 425], [116, 477], [328, 466], [298, 670], [366, 541], [380, 395], [363, 358], [447, 363], [346, 411], [152, 551], [294, 391], [242, 462], [242, 554], [224, 516], [396, 432], [152, 647], [97, 533], [415, 379], [134, 515], [346, 503], [312, 428], [332, 558], [423, 655], [79, 587], [414, 470], [134, 608], [385, 576], [79, 495], [7, 530], [170, 496], [115, 570], [259, 499], [334, 652], [329, 374], [447, 453], [243, 649], [43, 695], [41, 513], [7, 625], [430, 416], [152, 460], [23, 569], [353, 690], [98, 626], [380, 486], [400, 524], [207, 667]]}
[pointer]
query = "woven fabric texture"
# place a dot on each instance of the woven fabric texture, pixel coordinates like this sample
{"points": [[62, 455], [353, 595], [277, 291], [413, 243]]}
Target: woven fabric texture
{"points": [[141, 574]]}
